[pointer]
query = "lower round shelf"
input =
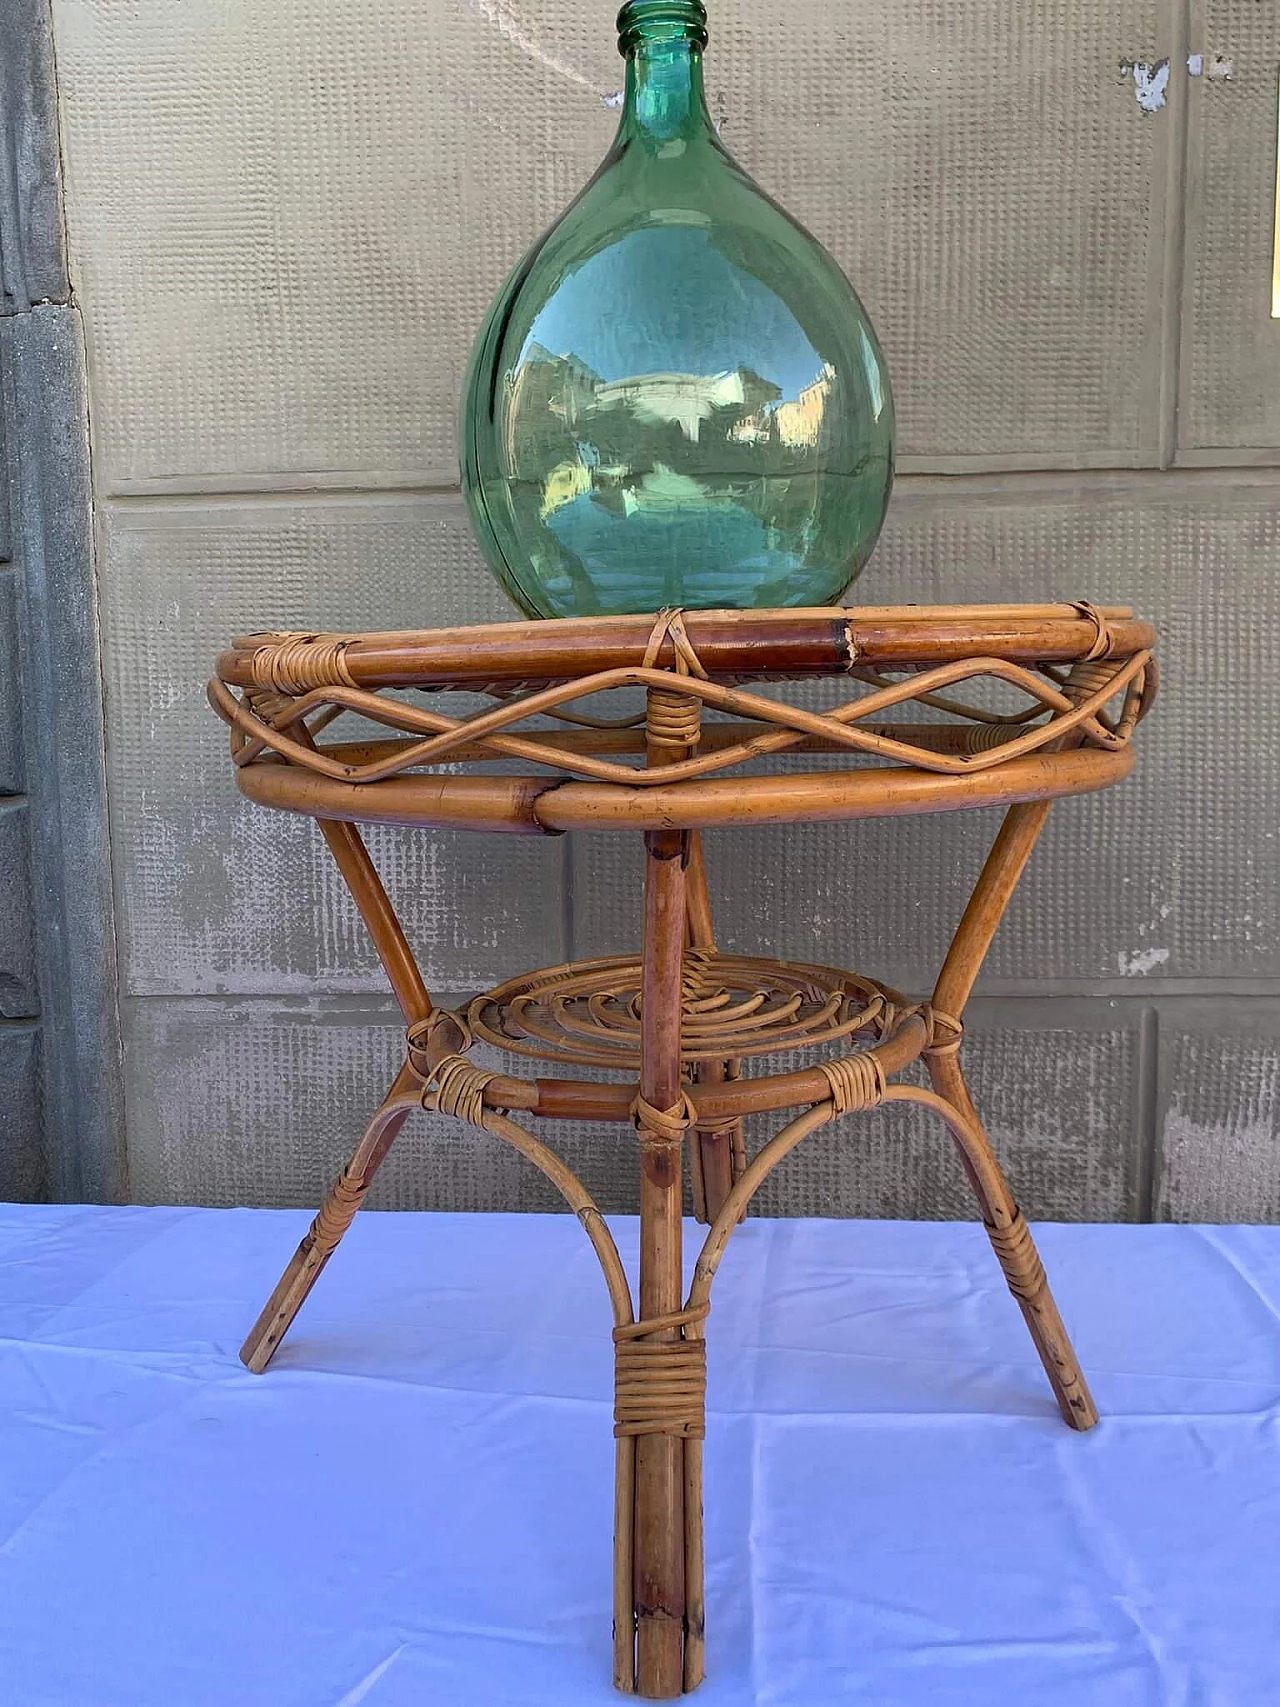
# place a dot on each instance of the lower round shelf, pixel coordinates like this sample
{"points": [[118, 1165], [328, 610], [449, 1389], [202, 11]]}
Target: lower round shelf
{"points": [[588, 1013]]}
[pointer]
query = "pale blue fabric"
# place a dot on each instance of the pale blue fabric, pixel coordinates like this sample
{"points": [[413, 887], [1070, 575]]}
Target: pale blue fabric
{"points": [[413, 1507]]}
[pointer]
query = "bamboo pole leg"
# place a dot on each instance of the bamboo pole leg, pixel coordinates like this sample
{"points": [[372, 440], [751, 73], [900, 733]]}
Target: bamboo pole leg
{"points": [[714, 1146], [1014, 844], [659, 1584], [1025, 1274], [695, 1616], [338, 1209], [624, 1571], [1015, 1249], [361, 877], [1006, 1228], [324, 1234]]}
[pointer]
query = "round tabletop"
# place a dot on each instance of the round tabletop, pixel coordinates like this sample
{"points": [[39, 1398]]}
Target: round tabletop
{"points": [[1075, 680]]}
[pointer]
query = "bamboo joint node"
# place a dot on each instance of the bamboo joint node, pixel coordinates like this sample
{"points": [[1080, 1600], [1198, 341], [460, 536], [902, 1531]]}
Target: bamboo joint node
{"points": [[290, 663], [946, 1035], [338, 1210], [662, 1128], [856, 1081], [669, 625], [1102, 642], [672, 719], [660, 1384], [418, 1038], [458, 1089], [713, 1127], [1018, 1256]]}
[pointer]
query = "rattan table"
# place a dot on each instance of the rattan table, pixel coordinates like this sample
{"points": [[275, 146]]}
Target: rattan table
{"points": [[679, 1021]]}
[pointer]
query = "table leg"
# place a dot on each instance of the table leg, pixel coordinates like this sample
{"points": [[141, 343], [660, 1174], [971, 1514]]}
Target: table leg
{"points": [[659, 1458], [1014, 1247], [338, 1210], [1006, 1228], [323, 1236], [713, 1148]]}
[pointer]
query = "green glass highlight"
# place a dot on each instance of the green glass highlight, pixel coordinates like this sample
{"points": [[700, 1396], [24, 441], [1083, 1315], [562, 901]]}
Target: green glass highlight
{"points": [[676, 398]]}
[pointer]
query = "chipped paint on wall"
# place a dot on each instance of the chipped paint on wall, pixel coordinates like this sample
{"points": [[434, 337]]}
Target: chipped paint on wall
{"points": [[1220, 68], [1141, 960], [1150, 81]]}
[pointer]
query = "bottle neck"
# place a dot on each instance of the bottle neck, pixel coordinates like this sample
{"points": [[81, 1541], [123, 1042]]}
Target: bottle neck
{"points": [[665, 100]]}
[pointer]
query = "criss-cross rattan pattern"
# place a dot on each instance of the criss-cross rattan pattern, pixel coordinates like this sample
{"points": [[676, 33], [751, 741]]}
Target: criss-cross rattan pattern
{"points": [[975, 740]]}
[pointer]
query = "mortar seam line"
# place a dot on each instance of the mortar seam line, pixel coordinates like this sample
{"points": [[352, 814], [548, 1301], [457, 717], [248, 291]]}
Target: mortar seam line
{"points": [[1175, 240], [1148, 1112]]}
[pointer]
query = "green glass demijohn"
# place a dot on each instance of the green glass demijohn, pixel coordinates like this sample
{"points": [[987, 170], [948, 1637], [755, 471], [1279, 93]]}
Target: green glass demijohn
{"points": [[676, 398]]}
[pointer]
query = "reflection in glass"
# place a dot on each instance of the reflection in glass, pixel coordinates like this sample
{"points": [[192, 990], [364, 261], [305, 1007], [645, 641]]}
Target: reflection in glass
{"points": [[676, 398]]}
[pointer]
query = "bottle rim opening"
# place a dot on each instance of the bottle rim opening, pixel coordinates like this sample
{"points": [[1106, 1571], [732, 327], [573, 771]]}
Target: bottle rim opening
{"points": [[661, 21]]}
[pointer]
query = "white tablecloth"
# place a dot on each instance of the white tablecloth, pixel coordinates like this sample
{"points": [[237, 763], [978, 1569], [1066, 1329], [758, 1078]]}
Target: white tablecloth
{"points": [[412, 1508]]}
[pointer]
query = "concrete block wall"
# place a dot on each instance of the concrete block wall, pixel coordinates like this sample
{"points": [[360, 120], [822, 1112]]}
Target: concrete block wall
{"points": [[60, 1128], [22, 1169], [285, 222]]}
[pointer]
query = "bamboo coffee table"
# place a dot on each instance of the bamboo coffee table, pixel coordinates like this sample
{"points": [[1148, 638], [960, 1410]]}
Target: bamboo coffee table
{"points": [[677, 1021]]}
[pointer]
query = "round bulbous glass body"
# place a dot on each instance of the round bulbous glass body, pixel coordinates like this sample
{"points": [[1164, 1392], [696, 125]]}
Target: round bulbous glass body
{"points": [[676, 398]]}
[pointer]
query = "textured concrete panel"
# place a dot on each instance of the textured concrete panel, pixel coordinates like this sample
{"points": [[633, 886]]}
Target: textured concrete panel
{"points": [[1219, 1140], [11, 767], [256, 1102], [261, 1103], [287, 262], [22, 1167], [19, 995], [1017, 300], [284, 264], [1175, 873], [1057, 1086], [1231, 345], [216, 894]]}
